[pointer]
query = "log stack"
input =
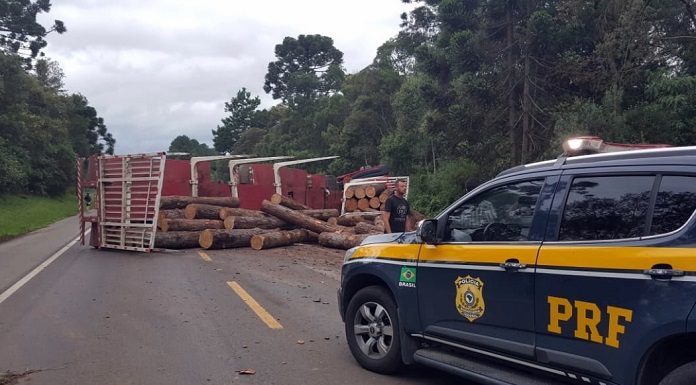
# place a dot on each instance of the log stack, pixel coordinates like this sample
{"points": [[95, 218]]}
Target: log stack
{"points": [[365, 198], [218, 223]]}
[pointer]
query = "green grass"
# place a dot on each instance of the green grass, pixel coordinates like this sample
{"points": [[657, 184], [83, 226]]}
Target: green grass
{"points": [[20, 214]]}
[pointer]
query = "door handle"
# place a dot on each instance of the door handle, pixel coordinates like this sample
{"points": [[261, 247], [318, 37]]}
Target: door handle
{"points": [[512, 265], [666, 273]]}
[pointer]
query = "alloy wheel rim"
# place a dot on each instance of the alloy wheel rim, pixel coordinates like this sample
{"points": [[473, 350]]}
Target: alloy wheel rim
{"points": [[373, 330]]}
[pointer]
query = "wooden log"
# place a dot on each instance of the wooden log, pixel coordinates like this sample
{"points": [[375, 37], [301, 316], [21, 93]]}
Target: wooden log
{"points": [[288, 202], [227, 239], [191, 224], [279, 238], [179, 201], [363, 204], [176, 239], [359, 192], [349, 193], [297, 218], [171, 214], [416, 216], [374, 190], [267, 222], [384, 196], [349, 221], [379, 221], [366, 228], [341, 240], [202, 211], [375, 203], [351, 204], [237, 212], [322, 214]]}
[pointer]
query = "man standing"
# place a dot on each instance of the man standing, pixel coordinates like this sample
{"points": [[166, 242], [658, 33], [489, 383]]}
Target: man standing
{"points": [[397, 211]]}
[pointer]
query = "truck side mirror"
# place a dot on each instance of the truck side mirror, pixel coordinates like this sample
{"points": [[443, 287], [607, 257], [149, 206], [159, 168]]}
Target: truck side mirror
{"points": [[427, 231]]}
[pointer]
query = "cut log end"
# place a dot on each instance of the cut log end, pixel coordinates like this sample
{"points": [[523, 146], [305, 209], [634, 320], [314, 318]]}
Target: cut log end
{"points": [[205, 239]]}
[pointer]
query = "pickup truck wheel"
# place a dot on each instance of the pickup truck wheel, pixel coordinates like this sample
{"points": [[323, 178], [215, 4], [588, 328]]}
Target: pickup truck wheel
{"points": [[372, 330], [683, 375]]}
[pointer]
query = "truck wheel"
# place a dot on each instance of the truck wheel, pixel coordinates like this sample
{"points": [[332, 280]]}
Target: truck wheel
{"points": [[372, 330], [683, 375]]}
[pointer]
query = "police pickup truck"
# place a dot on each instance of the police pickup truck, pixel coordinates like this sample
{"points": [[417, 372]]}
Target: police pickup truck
{"points": [[576, 270]]}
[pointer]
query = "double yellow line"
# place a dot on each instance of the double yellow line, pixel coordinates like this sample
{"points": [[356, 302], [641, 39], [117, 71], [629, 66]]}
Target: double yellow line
{"points": [[262, 313]]}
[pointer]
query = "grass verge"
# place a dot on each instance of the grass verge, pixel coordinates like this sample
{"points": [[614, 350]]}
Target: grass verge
{"points": [[20, 214]]}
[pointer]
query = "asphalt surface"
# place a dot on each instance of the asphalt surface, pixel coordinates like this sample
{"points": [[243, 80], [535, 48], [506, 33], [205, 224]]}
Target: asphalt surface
{"points": [[111, 317]]}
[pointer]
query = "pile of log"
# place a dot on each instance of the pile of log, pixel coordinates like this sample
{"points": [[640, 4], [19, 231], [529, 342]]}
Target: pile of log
{"points": [[366, 198], [219, 223]]}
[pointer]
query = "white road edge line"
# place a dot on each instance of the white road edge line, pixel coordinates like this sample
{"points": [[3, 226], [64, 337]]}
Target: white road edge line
{"points": [[18, 285]]}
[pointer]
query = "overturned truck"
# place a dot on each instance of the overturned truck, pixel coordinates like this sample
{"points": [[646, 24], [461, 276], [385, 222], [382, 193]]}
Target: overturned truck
{"points": [[142, 202]]}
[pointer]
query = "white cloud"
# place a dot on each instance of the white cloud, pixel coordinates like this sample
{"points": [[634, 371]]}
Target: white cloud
{"points": [[158, 69]]}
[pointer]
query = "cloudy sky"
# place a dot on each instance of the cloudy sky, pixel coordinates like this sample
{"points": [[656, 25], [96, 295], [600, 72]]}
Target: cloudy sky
{"points": [[155, 69]]}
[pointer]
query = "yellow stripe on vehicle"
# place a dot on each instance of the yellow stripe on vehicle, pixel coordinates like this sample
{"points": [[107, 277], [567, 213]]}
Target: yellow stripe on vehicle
{"points": [[405, 252], [474, 254], [607, 257]]}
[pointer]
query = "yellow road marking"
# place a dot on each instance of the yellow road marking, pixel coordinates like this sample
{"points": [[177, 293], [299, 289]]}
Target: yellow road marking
{"points": [[205, 256], [266, 317]]}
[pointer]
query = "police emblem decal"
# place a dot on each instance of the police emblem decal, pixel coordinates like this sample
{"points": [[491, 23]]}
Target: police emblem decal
{"points": [[469, 298]]}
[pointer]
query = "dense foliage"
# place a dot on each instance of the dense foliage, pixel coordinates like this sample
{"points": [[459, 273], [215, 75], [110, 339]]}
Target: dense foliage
{"points": [[469, 88], [42, 128]]}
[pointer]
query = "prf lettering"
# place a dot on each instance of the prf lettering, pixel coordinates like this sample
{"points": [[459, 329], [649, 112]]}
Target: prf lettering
{"points": [[587, 318]]}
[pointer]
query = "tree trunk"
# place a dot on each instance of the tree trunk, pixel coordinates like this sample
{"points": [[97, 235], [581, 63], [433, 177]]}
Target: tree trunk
{"points": [[379, 221], [169, 214], [374, 190], [176, 240], [267, 222], [179, 202], [351, 205], [363, 204], [359, 192], [297, 218], [511, 83], [526, 112], [202, 211], [288, 202], [279, 238], [227, 239], [350, 193], [341, 240], [384, 196], [375, 203], [366, 228], [235, 212], [190, 224], [322, 214], [350, 221]]}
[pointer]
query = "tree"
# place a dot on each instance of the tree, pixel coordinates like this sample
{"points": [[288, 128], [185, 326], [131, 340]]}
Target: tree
{"points": [[50, 74], [87, 129], [243, 116], [307, 67], [183, 143], [20, 33]]}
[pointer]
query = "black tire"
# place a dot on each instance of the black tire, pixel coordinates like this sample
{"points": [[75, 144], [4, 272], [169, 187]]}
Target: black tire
{"points": [[372, 330], [683, 375]]}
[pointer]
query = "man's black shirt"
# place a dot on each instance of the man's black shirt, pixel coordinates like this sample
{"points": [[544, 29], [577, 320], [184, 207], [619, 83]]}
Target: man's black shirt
{"points": [[399, 210]]}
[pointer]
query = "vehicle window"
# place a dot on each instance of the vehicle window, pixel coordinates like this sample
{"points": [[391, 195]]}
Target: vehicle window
{"points": [[503, 213], [676, 201], [603, 208]]}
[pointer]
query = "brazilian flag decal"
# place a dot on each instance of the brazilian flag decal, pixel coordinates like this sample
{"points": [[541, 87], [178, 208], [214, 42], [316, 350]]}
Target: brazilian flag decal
{"points": [[408, 274]]}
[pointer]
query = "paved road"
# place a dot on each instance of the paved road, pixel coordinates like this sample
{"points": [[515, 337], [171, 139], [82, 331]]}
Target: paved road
{"points": [[106, 317]]}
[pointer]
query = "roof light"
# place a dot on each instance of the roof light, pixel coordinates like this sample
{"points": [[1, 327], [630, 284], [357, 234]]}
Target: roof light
{"points": [[584, 145]]}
